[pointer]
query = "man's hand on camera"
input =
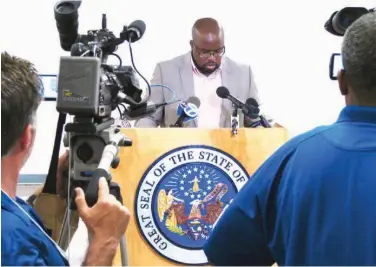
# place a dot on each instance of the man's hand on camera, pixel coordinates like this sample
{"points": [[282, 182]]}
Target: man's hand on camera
{"points": [[106, 221]]}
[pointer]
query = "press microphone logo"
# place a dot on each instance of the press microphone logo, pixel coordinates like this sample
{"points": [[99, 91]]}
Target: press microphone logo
{"points": [[191, 110], [188, 110]]}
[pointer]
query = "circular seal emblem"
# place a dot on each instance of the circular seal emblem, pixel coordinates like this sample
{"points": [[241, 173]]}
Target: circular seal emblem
{"points": [[181, 196]]}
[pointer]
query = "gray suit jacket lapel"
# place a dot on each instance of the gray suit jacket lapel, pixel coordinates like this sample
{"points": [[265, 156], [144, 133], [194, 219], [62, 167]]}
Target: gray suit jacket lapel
{"points": [[228, 82], [186, 76]]}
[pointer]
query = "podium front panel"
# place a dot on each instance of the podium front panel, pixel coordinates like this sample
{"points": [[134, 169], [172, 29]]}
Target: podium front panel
{"points": [[177, 182]]}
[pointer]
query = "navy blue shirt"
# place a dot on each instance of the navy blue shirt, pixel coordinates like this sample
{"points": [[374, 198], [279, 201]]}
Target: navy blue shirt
{"points": [[313, 202], [23, 243]]}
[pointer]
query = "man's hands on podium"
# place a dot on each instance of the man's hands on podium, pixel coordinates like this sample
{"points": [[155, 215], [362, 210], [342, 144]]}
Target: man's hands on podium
{"points": [[106, 222]]}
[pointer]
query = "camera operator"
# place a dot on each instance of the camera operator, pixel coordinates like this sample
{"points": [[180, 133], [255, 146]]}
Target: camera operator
{"points": [[312, 202], [24, 240]]}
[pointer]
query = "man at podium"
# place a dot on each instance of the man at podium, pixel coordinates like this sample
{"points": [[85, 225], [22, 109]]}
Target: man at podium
{"points": [[199, 73], [313, 201]]}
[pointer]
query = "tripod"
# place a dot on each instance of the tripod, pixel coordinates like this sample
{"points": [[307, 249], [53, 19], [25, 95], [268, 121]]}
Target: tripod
{"points": [[91, 143]]}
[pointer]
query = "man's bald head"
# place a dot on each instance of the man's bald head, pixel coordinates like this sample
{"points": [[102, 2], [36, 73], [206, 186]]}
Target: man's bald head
{"points": [[206, 26], [207, 44]]}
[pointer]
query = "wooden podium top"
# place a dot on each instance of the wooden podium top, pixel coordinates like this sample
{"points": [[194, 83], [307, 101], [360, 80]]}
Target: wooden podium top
{"points": [[248, 149]]}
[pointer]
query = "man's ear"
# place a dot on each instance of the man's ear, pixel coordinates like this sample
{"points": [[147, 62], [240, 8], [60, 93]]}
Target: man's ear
{"points": [[342, 82], [27, 137], [191, 44]]}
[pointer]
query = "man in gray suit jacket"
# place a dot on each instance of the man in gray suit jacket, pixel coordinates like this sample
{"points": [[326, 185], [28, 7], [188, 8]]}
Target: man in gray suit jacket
{"points": [[199, 73]]}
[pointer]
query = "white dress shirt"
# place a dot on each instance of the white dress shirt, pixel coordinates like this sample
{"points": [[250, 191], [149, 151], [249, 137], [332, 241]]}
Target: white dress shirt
{"points": [[205, 88]]}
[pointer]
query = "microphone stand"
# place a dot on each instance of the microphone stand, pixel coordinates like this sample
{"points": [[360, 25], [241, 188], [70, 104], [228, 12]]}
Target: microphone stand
{"points": [[178, 123], [234, 120], [264, 122]]}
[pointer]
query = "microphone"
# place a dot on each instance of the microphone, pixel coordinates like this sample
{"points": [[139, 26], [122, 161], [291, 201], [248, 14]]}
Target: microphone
{"points": [[135, 31], [187, 111], [250, 111], [264, 122]]}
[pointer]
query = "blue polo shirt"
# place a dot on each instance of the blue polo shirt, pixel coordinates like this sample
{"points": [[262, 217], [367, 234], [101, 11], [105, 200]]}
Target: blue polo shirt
{"points": [[23, 243], [313, 202]]}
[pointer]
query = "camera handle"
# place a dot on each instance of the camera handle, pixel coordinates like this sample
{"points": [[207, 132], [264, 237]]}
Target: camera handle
{"points": [[65, 232]]}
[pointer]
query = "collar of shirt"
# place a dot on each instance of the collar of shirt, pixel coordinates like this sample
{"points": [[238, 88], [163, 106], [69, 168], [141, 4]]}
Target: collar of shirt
{"points": [[8, 204], [30, 218], [358, 114], [198, 73]]}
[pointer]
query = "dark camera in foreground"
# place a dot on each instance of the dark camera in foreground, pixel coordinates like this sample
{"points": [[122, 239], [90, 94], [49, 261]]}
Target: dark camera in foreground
{"points": [[337, 25]]}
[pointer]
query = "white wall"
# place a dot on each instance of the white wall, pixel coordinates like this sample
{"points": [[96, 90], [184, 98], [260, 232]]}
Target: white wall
{"points": [[284, 41]]}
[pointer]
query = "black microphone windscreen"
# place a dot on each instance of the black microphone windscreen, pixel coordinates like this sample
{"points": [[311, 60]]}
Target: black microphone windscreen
{"points": [[222, 92], [139, 25], [194, 100], [252, 102]]}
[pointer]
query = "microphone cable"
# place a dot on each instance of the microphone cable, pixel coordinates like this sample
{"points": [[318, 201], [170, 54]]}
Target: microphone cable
{"points": [[168, 88], [134, 67]]}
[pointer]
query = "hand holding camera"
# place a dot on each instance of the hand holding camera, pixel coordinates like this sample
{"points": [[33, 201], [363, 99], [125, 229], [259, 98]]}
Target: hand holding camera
{"points": [[108, 219]]}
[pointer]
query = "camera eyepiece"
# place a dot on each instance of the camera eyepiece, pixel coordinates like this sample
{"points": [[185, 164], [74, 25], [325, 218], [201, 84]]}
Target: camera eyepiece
{"points": [[339, 21], [66, 16]]}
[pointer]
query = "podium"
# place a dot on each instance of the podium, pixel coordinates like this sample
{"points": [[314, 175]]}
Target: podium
{"points": [[176, 182]]}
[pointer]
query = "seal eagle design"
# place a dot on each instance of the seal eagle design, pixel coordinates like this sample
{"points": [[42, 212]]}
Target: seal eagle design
{"points": [[181, 196]]}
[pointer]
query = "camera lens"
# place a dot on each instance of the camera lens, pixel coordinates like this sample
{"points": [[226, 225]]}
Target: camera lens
{"points": [[85, 152], [66, 16], [345, 17]]}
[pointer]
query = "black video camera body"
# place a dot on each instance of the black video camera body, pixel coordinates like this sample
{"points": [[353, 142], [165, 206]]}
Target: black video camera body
{"points": [[337, 25], [87, 86]]}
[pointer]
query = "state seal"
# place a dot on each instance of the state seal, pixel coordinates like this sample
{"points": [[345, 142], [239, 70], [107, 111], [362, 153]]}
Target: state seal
{"points": [[181, 196]]}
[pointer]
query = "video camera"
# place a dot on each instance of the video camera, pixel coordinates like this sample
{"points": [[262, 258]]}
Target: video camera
{"points": [[337, 25], [89, 89]]}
